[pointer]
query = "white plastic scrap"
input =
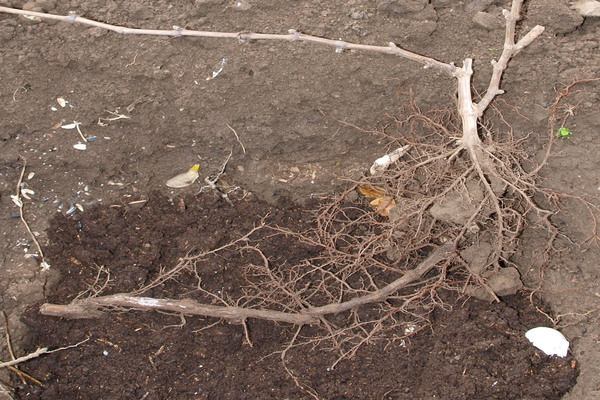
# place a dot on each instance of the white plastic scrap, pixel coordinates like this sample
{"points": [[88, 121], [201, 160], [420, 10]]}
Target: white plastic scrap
{"points": [[70, 126], [219, 70], [382, 163], [548, 340]]}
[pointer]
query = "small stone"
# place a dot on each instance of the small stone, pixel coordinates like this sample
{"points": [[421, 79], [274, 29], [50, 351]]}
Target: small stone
{"points": [[478, 5], [504, 282], [32, 6], [477, 256], [402, 6], [587, 8], [357, 15], [458, 207], [488, 21], [554, 15]]}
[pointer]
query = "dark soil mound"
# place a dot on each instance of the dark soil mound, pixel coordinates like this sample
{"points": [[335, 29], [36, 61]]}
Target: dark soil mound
{"points": [[472, 350]]}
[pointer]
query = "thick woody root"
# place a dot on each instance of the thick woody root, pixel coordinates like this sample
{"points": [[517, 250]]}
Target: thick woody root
{"points": [[297, 295]]}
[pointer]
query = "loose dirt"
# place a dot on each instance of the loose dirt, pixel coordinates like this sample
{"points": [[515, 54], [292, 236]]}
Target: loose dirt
{"points": [[473, 349]]}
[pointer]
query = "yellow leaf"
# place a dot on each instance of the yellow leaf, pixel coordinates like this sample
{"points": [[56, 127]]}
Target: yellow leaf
{"points": [[383, 205], [371, 191]]}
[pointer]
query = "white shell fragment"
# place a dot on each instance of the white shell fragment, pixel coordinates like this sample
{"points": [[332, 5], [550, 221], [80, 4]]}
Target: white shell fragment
{"points": [[185, 179], [62, 102], [70, 126], [382, 163], [80, 146], [16, 200], [26, 193], [548, 340]]}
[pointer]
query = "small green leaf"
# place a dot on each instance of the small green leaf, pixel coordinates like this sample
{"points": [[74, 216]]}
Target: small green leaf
{"points": [[563, 133]]}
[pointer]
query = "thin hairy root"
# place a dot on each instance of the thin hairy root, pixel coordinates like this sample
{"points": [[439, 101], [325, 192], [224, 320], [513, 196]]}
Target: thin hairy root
{"points": [[553, 118], [307, 389]]}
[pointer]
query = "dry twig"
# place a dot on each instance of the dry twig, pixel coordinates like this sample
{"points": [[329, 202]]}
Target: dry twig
{"points": [[19, 203], [37, 353]]}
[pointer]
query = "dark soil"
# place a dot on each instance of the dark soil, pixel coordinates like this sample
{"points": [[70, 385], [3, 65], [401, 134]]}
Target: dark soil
{"points": [[472, 350]]}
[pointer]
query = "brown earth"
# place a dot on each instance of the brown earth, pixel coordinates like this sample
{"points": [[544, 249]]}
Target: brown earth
{"points": [[287, 102]]}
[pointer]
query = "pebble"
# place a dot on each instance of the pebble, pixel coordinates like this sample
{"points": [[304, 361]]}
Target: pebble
{"points": [[478, 5], [32, 6], [7, 29], [357, 15], [587, 8], [488, 21]]}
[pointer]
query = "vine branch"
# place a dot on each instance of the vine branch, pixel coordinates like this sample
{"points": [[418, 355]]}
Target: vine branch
{"points": [[291, 36]]}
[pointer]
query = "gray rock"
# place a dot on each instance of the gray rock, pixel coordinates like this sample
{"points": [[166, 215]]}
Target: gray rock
{"points": [[554, 15], [477, 256], [478, 5], [488, 21], [402, 6], [458, 207], [504, 282], [587, 8]]}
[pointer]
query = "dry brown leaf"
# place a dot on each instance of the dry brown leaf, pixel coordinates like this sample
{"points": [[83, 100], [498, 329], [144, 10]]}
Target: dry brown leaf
{"points": [[383, 205], [371, 191]]}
